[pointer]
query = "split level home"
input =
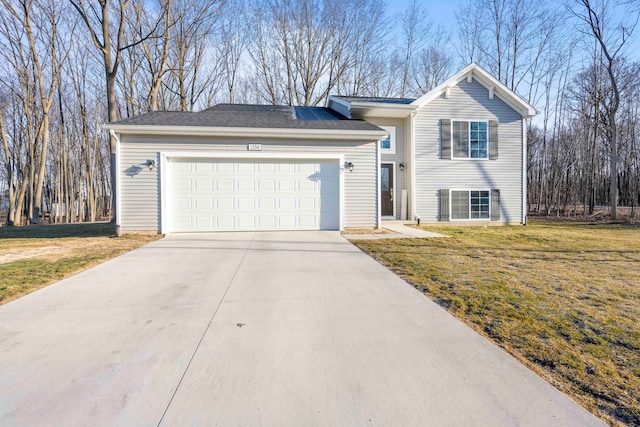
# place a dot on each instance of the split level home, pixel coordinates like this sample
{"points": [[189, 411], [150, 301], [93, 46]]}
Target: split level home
{"points": [[455, 155]]}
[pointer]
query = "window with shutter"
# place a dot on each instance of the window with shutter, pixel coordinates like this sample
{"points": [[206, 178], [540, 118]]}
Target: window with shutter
{"points": [[445, 139], [495, 205], [470, 139], [493, 139], [444, 205], [473, 204]]}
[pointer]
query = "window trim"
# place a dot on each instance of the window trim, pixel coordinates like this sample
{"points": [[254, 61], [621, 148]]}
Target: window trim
{"points": [[392, 137], [468, 190], [453, 157]]}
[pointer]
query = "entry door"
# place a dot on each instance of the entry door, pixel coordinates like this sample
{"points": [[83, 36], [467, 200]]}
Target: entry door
{"points": [[386, 189]]}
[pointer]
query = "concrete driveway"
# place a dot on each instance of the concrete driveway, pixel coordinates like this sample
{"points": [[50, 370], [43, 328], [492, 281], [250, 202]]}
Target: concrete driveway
{"points": [[255, 329]]}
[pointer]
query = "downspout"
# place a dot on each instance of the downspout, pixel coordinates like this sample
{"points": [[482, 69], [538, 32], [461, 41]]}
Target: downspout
{"points": [[115, 136], [524, 171], [412, 172], [378, 203]]}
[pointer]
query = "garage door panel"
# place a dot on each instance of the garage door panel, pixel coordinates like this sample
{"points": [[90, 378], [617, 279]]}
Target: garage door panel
{"points": [[266, 203], [245, 203], [225, 203], [246, 167], [182, 203], [182, 184], [203, 167], [224, 167], [246, 185], [224, 185], [267, 184], [308, 221], [225, 222], [307, 203], [246, 222], [204, 222], [286, 184], [267, 222], [267, 167], [286, 203], [232, 194], [204, 184]]}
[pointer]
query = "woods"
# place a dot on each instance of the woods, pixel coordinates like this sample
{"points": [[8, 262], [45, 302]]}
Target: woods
{"points": [[68, 67]]}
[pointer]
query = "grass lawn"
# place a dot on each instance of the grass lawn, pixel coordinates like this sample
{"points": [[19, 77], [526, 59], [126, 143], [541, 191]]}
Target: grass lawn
{"points": [[32, 257], [563, 298]]}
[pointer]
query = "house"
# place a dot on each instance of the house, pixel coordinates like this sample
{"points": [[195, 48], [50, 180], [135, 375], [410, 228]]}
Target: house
{"points": [[456, 154]]}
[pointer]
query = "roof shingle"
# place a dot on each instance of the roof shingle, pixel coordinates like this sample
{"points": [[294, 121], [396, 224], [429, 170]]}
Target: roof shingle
{"points": [[252, 116]]}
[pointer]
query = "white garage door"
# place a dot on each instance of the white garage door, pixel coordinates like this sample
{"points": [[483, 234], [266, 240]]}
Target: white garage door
{"points": [[233, 194]]}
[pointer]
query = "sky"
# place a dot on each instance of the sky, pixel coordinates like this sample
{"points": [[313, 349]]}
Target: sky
{"points": [[442, 12]]}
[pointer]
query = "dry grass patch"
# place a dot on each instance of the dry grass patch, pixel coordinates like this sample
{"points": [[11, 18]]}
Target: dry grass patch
{"points": [[36, 256], [366, 231], [564, 298]]}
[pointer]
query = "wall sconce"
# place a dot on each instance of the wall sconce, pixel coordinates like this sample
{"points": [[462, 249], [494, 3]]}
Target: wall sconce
{"points": [[401, 166], [151, 164], [350, 166]]}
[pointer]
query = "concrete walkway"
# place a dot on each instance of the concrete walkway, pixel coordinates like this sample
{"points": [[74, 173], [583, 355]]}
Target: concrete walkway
{"points": [[282, 329], [399, 230]]}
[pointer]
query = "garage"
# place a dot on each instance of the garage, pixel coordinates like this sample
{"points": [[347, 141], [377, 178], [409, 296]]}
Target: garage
{"points": [[253, 194], [237, 167]]}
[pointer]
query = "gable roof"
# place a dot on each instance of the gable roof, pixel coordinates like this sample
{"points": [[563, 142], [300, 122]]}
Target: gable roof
{"points": [[402, 107], [488, 81]]}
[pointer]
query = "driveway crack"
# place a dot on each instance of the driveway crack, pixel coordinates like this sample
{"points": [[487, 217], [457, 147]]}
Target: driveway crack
{"points": [[204, 333]]}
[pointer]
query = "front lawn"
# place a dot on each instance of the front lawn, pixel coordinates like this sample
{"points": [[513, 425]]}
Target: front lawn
{"points": [[32, 257], [563, 298]]}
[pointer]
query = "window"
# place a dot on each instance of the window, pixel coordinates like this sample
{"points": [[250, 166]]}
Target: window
{"points": [[470, 139], [388, 145], [472, 204]]}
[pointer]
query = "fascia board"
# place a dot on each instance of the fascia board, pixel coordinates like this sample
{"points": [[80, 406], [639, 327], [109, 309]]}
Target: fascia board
{"points": [[288, 133], [340, 101]]}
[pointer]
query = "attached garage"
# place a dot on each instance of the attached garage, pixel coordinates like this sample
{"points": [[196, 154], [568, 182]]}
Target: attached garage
{"points": [[253, 194], [246, 168]]}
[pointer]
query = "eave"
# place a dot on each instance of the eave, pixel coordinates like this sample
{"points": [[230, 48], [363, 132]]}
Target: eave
{"points": [[285, 133], [380, 109]]}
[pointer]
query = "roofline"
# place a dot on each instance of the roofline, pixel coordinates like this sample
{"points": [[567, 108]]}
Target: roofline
{"points": [[487, 80], [375, 108], [338, 100], [390, 105], [302, 133]]}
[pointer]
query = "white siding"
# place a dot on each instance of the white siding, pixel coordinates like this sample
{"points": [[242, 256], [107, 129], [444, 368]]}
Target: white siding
{"points": [[140, 193], [401, 155], [468, 101]]}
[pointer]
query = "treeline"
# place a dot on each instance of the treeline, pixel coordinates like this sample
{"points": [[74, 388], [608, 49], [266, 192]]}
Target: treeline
{"points": [[67, 67]]}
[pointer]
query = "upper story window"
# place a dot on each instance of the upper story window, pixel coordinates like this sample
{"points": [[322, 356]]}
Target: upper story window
{"points": [[388, 145], [469, 139]]}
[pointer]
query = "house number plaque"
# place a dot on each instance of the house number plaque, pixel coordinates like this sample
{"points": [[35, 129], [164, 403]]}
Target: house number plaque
{"points": [[254, 147]]}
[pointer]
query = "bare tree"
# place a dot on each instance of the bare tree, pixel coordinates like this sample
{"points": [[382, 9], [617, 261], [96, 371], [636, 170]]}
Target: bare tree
{"points": [[415, 27], [611, 44], [98, 16]]}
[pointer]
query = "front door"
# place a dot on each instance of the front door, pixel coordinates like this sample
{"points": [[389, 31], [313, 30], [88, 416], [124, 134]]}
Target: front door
{"points": [[386, 189]]}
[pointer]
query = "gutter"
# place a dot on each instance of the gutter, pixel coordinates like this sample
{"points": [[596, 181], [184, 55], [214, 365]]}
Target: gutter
{"points": [[289, 133], [118, 197]]}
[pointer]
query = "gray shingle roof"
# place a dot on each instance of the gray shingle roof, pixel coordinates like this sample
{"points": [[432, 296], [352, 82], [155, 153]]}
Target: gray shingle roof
{"points": [[381, 100], [252, 116]]}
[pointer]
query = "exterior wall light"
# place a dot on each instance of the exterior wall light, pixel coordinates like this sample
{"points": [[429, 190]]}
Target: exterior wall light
{"points": [[350, 166], [151, 164], [401, 166]]}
